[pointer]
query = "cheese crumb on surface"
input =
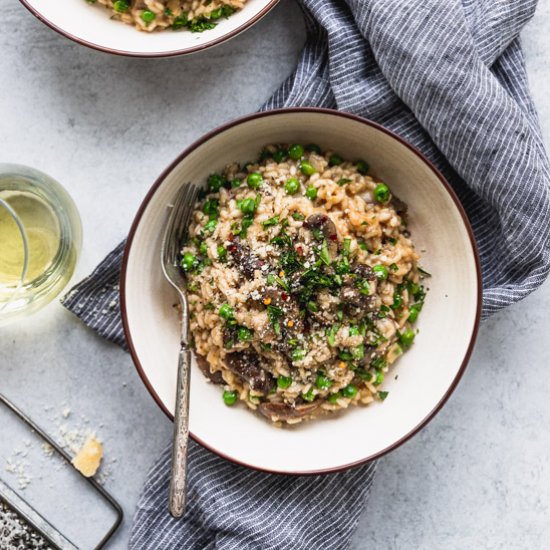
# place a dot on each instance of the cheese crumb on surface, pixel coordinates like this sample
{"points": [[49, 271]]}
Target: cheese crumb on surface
{"points": [[88, 459]]}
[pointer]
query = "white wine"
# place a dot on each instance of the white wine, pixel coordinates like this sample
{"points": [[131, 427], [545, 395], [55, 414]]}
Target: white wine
{"points": [[37, 212], [43, 236]]}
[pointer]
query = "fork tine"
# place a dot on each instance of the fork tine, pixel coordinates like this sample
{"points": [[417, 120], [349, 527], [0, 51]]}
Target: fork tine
{"points": [[186, 214], [185, 207], [176, 207], [168, 244], [181, 221]]}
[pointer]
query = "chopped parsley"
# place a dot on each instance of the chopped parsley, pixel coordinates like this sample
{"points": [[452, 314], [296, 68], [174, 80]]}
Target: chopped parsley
{"points": [[271, 221], [343, 181], [274, 315]]}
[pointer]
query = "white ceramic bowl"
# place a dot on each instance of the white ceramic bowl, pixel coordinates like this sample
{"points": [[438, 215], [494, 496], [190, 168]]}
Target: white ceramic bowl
{"points": [[428, 373], [91, 26]]}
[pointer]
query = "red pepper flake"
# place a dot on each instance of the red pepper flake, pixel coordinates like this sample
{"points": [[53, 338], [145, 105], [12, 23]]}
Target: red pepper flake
{"points": [[284, 296], [333, 237], [230, 237], [300, 249], [232, 248]]}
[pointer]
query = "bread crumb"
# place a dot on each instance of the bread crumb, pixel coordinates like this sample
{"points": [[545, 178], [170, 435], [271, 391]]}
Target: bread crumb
{"points": [[47, 449], [88, 459]]}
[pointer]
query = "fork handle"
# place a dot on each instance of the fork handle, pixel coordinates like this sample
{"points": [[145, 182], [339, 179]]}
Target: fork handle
{"points": [[178, 479]]}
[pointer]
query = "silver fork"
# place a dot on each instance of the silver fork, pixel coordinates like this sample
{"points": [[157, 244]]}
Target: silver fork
{"points": [[174, 234]]}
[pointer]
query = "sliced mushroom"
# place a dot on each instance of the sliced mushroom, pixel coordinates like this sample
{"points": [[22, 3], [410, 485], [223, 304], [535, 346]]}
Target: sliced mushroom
{"points": [[283, 411], [247, 262], [355, 302], [323, 223], [204, 366], [246, 365], [363, 271]]}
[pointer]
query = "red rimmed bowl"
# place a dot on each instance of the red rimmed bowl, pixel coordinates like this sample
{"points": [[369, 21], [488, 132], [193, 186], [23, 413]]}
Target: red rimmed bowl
{"points": [[420, 382], [91, 26]]}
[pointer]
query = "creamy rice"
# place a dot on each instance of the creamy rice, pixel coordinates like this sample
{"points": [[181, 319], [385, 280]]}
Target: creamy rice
{"points": [[303, 283], [154, 15]]}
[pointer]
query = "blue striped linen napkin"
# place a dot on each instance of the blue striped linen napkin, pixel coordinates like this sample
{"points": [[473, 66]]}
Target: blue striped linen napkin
{"points": [[448, 76]]}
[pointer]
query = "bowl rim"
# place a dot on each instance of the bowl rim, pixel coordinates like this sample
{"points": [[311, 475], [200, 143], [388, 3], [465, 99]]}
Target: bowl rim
{"points": [[173, 53], [270, 113]]}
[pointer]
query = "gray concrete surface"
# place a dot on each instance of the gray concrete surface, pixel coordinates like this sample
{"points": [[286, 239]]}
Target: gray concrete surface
{"points": [[477, 477]]}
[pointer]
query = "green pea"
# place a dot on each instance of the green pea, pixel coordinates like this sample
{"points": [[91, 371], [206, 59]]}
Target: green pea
{"points": [[203, 249], [311, 193], [381, 271], [362, 167], [406, 339], [397, 301], [244, 334], [350, 391], [247, 206], [254, 180], [323, 382], [229, 398], [226, 312], [222, 253], [414, 312], [235, 183], [335, 160], [333, 398], [291, 186], [382, 192], [379, 378], [215, 182], [284, 382], [188, 261], [147, 16], [121, 6], [210, 226], [313, 148], [295, 152], [308, 396], [307, 168]]}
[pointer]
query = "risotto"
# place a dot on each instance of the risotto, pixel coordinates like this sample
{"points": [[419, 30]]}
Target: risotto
{"points": [[154, 15], [303, 283]]}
